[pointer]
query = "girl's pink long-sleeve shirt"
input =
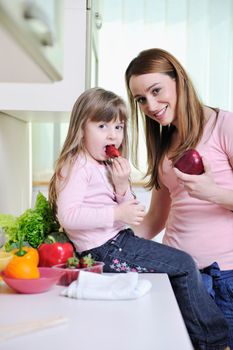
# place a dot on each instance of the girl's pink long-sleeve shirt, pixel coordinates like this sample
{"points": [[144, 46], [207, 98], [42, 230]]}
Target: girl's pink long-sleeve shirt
{"points": [[86, 202], [201, 228]]}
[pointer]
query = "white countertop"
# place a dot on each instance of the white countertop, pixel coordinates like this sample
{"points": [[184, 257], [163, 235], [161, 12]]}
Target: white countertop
{"points": [[152, 322]]}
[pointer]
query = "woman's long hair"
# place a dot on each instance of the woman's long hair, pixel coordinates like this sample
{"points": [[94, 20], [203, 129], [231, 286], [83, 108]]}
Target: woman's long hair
{"points": [[189, 111], [95, 104]]}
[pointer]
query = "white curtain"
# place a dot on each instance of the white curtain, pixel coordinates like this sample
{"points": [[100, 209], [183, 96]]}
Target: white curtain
{"points": [[198, 32]]}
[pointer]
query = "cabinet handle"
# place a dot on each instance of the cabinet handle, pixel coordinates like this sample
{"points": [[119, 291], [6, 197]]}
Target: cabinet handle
{"points": [[40, 22]]}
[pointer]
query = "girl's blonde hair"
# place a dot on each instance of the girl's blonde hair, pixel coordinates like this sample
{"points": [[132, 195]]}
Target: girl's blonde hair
{"points": [[189, 111], [95, 104]]}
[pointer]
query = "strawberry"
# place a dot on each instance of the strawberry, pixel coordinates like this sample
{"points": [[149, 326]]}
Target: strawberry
{"points": [[87, 261], [73, 263], [112, 151]]}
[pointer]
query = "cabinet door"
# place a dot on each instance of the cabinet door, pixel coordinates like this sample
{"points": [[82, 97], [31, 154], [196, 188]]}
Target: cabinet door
{"points": [[30, 101], [31, 36]]}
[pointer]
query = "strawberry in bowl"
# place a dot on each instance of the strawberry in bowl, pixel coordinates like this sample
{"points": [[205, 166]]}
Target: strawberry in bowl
{"points": [[74, 265], [87, 261]]}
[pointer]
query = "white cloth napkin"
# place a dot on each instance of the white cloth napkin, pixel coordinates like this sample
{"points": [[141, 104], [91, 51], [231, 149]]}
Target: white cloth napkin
{"points": [[120, 286]]}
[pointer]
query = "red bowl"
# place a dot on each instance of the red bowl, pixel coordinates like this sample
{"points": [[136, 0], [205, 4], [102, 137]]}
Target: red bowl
{"points": [[48, 278], [69, 275]]}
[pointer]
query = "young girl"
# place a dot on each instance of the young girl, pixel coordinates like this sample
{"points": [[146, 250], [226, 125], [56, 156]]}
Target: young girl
{"points": [[94, 203], [195, 210]]}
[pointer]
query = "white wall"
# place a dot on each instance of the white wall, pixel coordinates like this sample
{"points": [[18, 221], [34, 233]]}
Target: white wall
{"points": [[198, 32], [15, 180]]}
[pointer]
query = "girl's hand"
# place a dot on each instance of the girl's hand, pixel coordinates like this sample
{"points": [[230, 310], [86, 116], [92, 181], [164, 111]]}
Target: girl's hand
{"points": [[130, 212], [199, 186], [120, 172]]}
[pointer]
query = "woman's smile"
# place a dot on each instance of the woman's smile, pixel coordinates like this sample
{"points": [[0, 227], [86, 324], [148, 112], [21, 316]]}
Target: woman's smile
{"points": [[161, 114]]}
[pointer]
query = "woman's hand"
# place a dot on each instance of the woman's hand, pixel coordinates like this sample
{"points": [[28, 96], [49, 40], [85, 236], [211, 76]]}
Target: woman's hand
{"points": [[199, 186], [130, 212], [120, 172]]}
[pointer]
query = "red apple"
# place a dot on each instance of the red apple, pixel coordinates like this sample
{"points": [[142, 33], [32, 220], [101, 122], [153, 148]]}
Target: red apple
{"points": [[190, 163]]}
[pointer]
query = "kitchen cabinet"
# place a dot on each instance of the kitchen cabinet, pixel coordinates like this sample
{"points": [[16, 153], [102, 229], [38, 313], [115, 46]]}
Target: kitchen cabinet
{"points": [[53, 102], [31, 36], [22, 103]]}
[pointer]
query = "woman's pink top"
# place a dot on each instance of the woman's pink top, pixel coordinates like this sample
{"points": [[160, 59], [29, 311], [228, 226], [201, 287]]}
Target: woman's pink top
{"points": [[86, 204], [203, 229]]}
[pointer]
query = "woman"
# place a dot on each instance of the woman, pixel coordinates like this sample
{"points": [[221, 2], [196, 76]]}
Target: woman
{"points": [[195, 210]]}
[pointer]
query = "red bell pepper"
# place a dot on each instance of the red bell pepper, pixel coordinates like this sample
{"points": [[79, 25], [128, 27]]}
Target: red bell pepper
{"points": [[54, 253]]}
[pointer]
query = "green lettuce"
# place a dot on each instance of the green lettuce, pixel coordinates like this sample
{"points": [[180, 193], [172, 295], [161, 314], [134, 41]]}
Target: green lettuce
{"points": [[32, 227]]}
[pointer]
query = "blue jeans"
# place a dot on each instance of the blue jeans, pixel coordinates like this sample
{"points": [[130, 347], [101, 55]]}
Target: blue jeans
{"points": [[219, 285], [205, 323]]}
